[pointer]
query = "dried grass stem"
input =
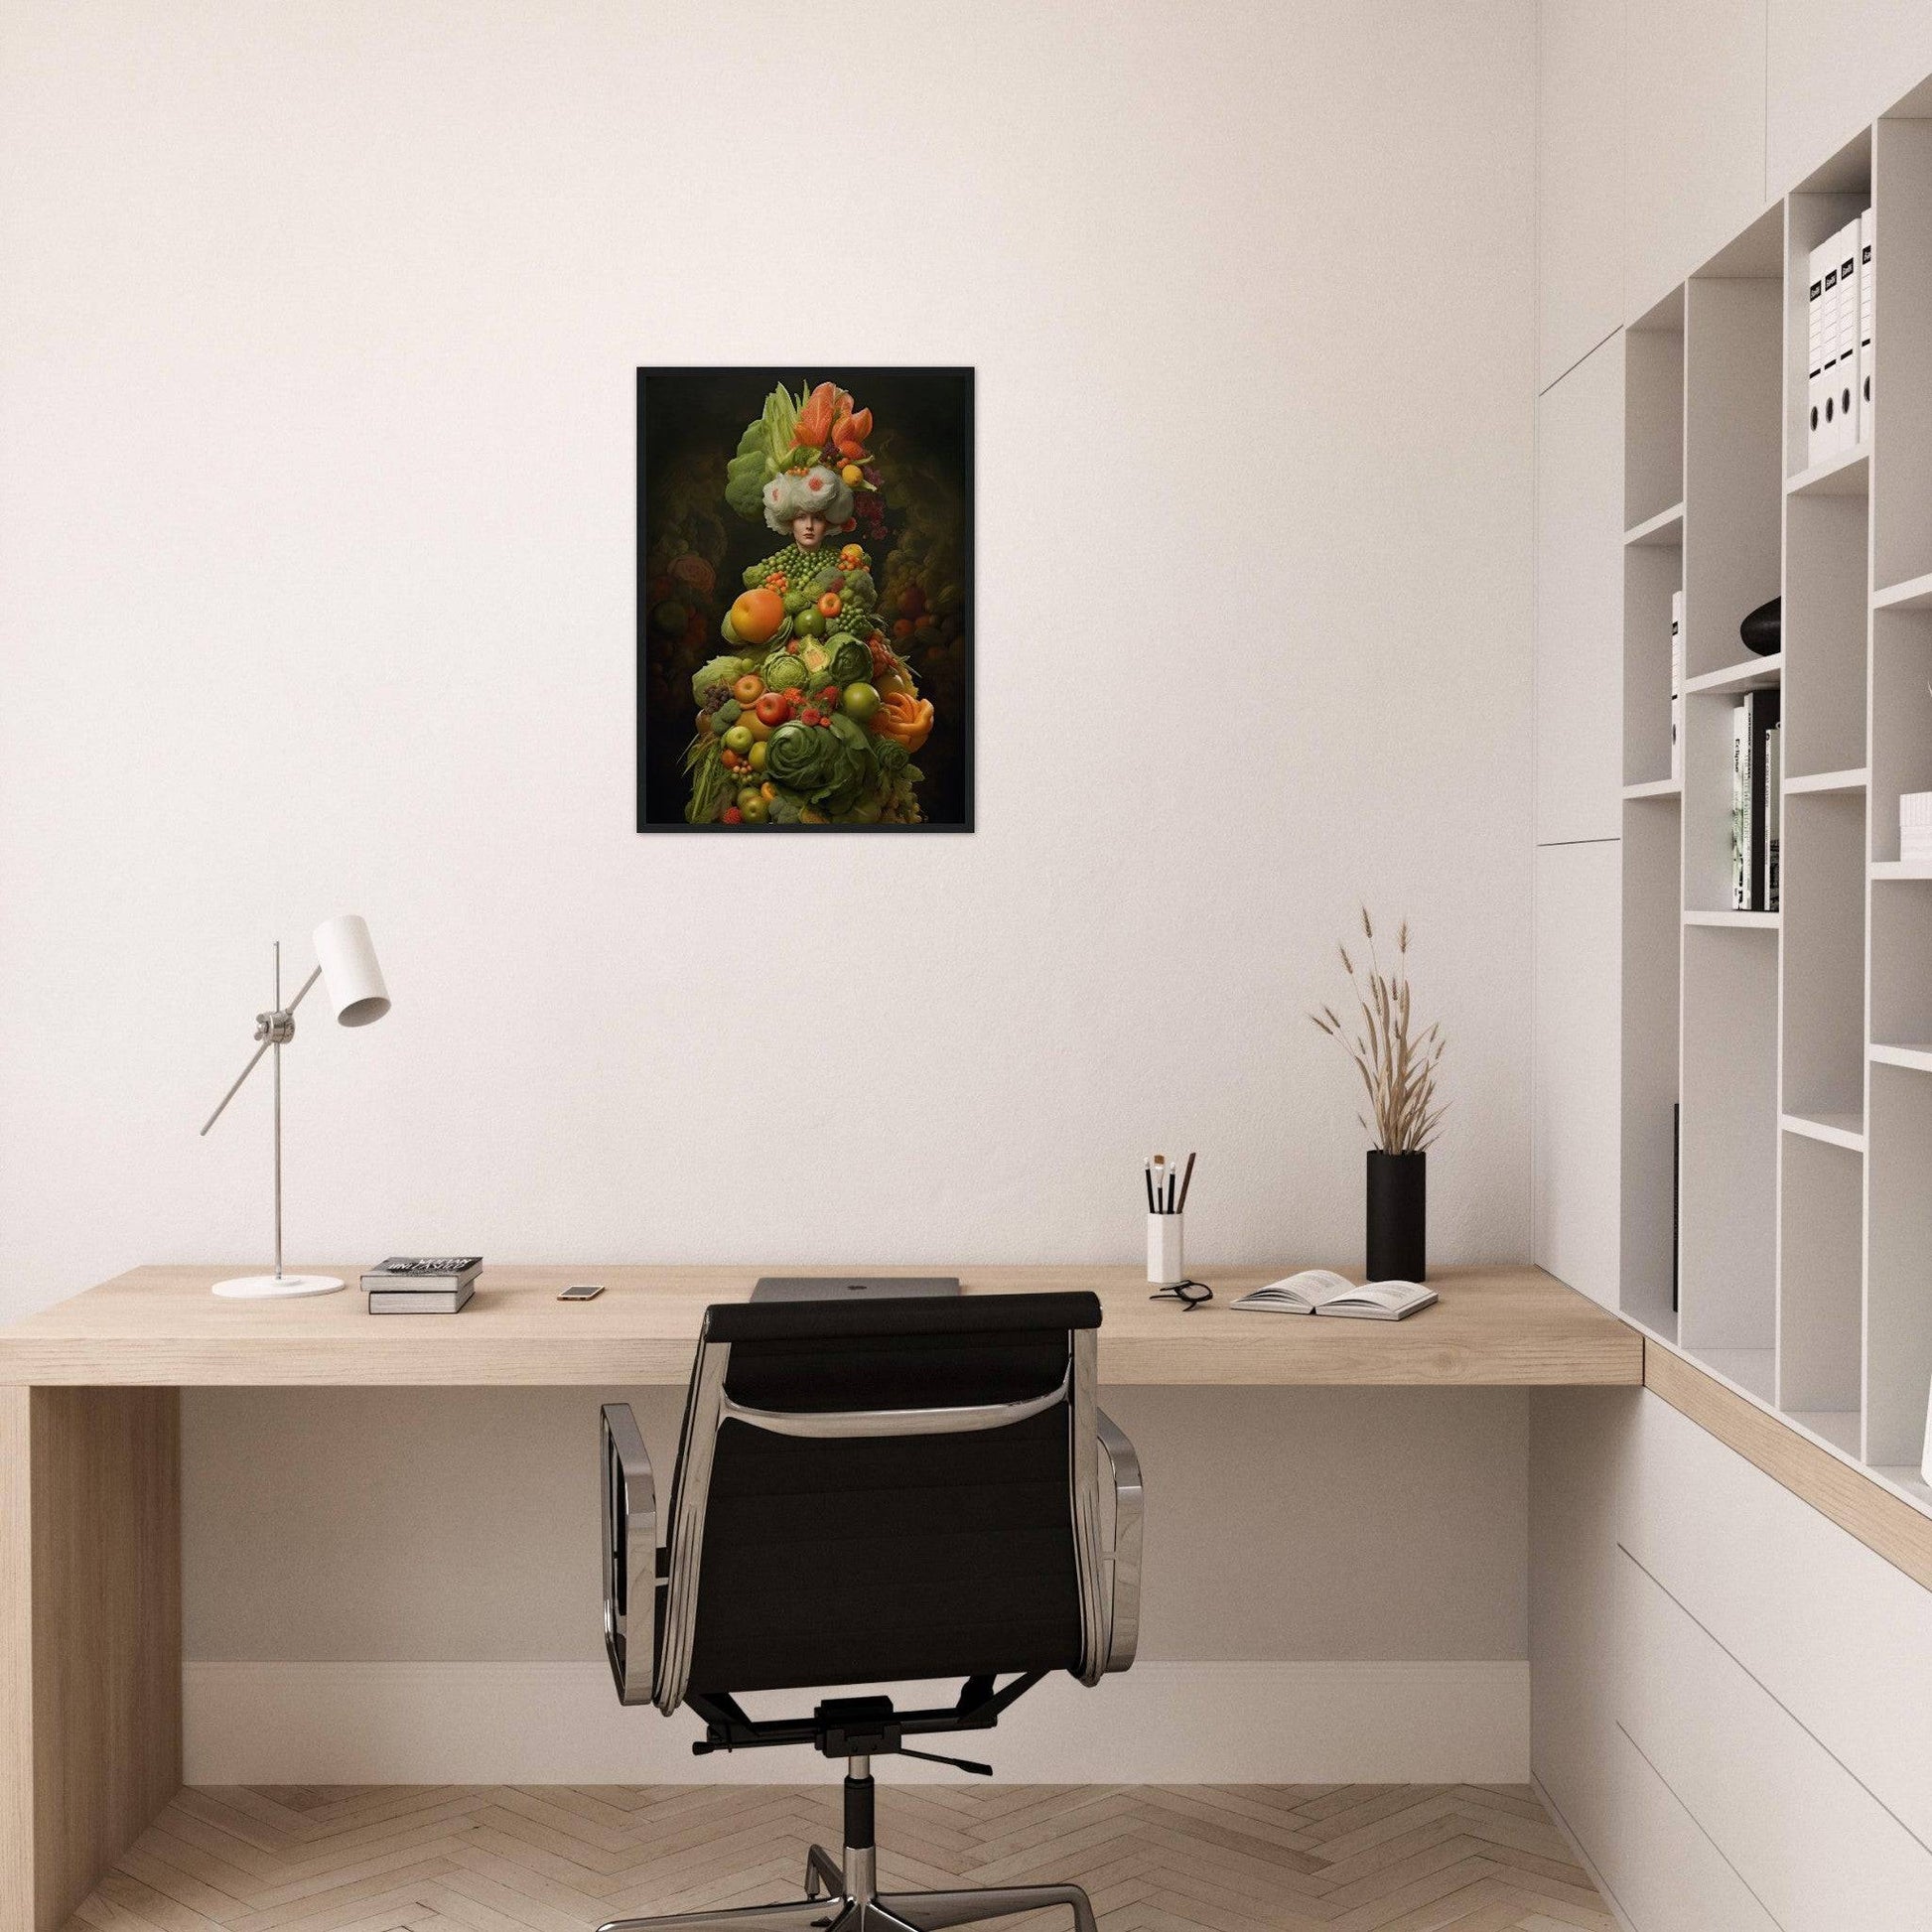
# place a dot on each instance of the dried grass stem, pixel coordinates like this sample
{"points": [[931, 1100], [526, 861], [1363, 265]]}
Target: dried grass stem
{"points": [[1398, 1064]]}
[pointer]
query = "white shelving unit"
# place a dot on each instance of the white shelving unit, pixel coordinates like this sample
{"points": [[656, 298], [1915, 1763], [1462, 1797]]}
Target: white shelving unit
{"points": [[1777, 1066]]}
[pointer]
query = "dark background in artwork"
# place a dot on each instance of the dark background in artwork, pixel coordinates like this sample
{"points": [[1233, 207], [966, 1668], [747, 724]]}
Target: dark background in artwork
{"points": [[689, 422]]}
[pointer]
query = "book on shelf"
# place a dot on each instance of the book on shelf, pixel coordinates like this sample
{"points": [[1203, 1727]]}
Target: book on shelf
{"points": [[1320, 1291], [1752, 719], [1741, 807], [1677, 685], [1773, 812], [1868, 304]]}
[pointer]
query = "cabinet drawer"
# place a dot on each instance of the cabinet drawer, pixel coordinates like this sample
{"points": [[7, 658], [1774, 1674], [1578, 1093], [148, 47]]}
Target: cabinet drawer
{"points": [[1666, 1874], [1832, 1631], [1810, 1842]]}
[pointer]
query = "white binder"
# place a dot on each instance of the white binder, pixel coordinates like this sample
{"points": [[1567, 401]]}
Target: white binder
{"points": [[1815, 353], [1868, 301], [1846, 389]]}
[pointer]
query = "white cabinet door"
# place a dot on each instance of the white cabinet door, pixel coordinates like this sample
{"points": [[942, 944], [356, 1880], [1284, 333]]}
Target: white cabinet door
{"points": [[1580, 602], [1579, 180], [1693, 136], [1576, 1094]]}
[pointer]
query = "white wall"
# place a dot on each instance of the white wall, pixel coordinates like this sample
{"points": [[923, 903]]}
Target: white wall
{"points": [[318, 517], [317, 513]]}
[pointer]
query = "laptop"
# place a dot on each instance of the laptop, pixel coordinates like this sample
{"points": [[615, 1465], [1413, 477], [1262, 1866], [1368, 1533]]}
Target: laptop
{"points": [[839, 1288]]}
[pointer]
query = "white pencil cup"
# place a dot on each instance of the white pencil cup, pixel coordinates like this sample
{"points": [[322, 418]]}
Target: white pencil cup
{"points": [[1164, 1250]]}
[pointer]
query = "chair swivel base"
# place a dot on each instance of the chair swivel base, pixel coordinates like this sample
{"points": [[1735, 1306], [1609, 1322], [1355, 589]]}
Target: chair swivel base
{"points": [[841, 1898]]}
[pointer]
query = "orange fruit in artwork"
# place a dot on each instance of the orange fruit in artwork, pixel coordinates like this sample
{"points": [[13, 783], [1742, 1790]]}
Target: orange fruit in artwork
{"points": [[756, 616]]}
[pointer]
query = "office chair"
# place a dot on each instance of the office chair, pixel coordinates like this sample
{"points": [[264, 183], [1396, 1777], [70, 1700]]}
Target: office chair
{"points": [[873, 1493]]}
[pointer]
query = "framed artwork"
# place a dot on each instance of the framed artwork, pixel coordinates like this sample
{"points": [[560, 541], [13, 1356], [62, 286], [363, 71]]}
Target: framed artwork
{"points": [[804, 600]]}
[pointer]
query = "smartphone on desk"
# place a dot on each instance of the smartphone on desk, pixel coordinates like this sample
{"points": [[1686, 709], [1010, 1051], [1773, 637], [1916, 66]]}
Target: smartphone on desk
{"points": [[582, 1291]]}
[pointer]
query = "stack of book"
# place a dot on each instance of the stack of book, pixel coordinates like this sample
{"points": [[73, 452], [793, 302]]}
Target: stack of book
{"points": [[421, 1284], [1755, 803]]}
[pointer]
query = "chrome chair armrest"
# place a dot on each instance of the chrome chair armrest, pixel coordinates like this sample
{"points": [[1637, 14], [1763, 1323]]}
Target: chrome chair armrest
{"points": [[629, 1554], [1122, 1558]]}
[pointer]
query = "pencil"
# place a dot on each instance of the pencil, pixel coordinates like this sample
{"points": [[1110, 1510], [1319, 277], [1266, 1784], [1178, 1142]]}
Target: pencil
{"points": [[1186, 1181]]}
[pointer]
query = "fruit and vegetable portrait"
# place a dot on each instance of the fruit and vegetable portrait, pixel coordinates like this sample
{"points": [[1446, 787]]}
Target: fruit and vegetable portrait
{"points": [[804, 600]]}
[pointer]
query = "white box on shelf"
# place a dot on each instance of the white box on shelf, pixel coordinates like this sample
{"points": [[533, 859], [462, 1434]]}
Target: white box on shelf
{"points": [[1914, 823]]}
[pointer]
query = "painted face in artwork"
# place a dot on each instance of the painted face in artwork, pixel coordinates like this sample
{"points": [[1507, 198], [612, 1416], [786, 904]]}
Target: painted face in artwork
{"points": [[809, 530]]}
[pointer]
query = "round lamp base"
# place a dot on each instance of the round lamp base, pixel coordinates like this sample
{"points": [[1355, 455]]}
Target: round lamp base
{"points": [[269, 1288]]}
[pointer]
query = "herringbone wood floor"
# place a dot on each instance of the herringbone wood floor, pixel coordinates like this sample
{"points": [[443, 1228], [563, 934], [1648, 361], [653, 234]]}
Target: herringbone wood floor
{"points": [[559, 1859]]}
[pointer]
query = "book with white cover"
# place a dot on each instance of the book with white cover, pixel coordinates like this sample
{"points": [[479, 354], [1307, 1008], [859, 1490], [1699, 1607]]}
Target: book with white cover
{"points": [[1677, 685], [1867, 303], [1815, 353], [1740, 810], [1846, 366], [1320, 1291]]}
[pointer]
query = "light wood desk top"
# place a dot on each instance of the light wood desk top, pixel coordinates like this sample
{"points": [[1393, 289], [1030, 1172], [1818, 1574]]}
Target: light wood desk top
{"points": [[159, 1326]]}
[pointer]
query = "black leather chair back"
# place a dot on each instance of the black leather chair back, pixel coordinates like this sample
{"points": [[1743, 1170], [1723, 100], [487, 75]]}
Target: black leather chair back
{"points": [[873, 1556]]}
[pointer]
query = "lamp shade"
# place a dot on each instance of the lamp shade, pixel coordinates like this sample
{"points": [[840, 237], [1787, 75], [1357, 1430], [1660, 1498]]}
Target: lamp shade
{"points": [[350, 975]]}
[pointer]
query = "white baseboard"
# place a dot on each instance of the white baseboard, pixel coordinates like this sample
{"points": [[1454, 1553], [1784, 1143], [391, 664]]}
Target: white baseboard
{"points": [[561, 1723]]}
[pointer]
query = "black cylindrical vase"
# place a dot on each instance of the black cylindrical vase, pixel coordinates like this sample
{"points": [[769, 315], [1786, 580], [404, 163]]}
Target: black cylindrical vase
{"points": [[1398, 1216]]}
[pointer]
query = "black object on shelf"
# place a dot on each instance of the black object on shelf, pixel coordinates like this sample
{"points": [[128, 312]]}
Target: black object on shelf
{"points": [[1398, 1216], [1763, 630], [1676, 1191]]}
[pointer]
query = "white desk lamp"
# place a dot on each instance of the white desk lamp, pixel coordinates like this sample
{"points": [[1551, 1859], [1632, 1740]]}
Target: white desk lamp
{"points": [[353, 981]]}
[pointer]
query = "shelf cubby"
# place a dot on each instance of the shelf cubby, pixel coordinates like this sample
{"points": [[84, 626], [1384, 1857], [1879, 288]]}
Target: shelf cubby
{"points": [[1728, 1217], [1822, 919], [1733, 437], [1815, 212], [1826, 614], [1902, 965], [1899, 1289], [1901, 719], [1653, 415], [1652, 943], [1707, 730], [1901, 403], [1821, 1286], [1652, 573]]}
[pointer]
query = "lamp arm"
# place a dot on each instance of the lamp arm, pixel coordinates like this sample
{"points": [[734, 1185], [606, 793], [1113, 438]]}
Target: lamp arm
{"points": [[266, 1033], [315, 973]]}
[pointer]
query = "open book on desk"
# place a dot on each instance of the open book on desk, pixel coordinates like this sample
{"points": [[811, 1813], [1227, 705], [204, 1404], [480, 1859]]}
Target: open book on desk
{"points": [[1320, 1291]]}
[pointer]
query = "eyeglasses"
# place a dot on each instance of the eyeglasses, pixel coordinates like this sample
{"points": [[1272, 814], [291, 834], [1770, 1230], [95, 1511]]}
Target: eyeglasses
{"points": [[1190, 1294]]}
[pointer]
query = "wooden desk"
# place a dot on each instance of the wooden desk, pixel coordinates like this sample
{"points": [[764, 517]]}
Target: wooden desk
{"points": [[161, 1327], [89, 1463]]}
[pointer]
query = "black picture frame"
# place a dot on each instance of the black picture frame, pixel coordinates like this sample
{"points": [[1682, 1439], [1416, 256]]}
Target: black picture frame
{"points": [[684, 409]]}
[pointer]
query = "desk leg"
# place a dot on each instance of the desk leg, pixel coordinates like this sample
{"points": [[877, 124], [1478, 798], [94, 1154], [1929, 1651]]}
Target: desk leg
{"points": [[90, 1636]]}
